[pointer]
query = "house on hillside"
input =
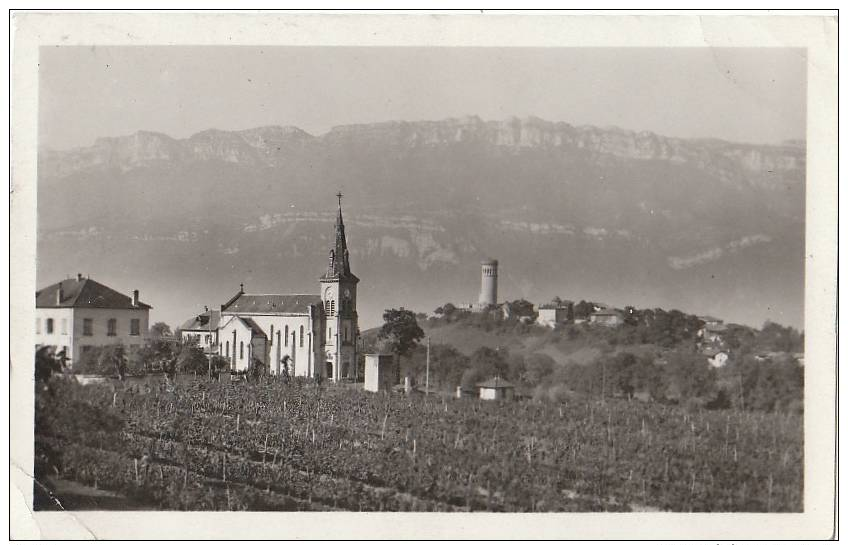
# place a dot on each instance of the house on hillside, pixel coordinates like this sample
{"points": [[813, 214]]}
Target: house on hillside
{"points": [[553, 314], [203, 331], [713, 330], [496, 389], [607, 317], [77, 314], [716, 358]]}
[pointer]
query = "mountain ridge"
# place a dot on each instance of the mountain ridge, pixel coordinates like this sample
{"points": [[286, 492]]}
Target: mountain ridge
{"points": [[703, 224]]}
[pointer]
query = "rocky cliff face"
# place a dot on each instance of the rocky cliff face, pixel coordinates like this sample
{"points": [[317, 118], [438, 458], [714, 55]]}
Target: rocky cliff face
{"points": [[704, 225]]}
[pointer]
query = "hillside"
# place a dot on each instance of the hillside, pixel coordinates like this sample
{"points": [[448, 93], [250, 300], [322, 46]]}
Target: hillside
{"points": [[623, 217]]}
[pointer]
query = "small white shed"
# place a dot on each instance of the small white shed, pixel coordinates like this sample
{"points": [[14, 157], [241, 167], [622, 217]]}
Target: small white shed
{"points": [[496, 388], [381, 372]]}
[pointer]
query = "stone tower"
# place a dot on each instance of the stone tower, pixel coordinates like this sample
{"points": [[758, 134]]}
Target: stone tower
{"points": [[338, 294], [488, 283]]}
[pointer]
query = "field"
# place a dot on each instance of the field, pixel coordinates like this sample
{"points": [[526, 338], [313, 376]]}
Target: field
{"points": [[197, 445]]}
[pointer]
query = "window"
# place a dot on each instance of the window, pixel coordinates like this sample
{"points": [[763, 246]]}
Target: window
{"points": [[64, 326], [272, 334], [228, 349], [287, 336], [241, 350], [346, 332], [87, 327], [135, 326], [112, 327], [49, 326], [278, 339], [332, 308], [38, 325], [327, 307], [329, 333], [85, 348], [208, 339], [301, 336]]}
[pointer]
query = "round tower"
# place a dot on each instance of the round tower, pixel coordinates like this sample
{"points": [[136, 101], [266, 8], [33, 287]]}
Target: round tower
{"points": [[489, 282]]}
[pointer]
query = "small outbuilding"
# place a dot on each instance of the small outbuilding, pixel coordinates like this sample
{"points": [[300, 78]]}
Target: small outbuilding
{"points": [[381, 372], [496, 389]]}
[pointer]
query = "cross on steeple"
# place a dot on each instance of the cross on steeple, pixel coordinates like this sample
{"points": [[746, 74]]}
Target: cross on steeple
{"points": [[339, 195]]}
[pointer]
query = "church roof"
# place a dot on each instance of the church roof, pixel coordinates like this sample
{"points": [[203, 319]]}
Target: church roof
{"points": [[253, 326], [271, 303], [82, 292]]}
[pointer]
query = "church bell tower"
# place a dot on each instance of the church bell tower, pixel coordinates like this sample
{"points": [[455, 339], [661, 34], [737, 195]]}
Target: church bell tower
{"points": [[338, 294]]}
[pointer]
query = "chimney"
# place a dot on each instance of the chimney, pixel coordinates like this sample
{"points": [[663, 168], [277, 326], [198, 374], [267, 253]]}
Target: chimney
{"points": [[60, 294], [205, 308], [79, 277], [135, 298]]}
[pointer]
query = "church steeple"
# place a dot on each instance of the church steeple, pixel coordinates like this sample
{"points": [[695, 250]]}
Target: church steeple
{"points": [[339, 264]]}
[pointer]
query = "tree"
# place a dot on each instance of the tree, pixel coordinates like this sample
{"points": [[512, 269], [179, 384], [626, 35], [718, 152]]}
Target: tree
{"points": [[583, 309], [520, 308], [160, 330], [191, 359], [692, 377], [490, 362], [538, 367], [400, 331], [47, 363], [113, 360]]}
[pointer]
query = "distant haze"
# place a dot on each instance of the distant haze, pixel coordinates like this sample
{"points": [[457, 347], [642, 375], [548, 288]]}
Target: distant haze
{"points": [[744, 95], [518, 160]]}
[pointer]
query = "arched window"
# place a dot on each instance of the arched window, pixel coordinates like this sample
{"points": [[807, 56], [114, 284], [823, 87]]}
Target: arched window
{"points": [[327, 307], [287, 336], [332, 308], [241, 350], [228, 349], [272, 333], [301, 336], [330, 334], [278, 339]]}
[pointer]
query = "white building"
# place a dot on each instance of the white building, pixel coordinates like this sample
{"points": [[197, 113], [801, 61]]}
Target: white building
{"points": [[76, 314], [307, 334], [495, 389], [381, 372], [203, 331], [552, 314]]}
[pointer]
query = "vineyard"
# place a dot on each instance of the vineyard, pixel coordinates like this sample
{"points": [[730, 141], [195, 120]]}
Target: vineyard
{"points": [[202, 445]]}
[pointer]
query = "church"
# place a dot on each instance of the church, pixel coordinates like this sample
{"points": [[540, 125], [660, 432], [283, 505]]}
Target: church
{"points": [[306, 335]]}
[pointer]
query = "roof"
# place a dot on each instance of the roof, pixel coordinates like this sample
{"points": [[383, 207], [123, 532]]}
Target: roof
{"points": [[709, 319], [565, 305], [606, 312], [716, 328], [253, 326], [496, 383], [82, 292], [489, 261], [271, 303], [206, 321]]}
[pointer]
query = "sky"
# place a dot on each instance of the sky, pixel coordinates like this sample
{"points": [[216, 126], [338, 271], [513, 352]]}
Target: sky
{"points": [[752, 95]]}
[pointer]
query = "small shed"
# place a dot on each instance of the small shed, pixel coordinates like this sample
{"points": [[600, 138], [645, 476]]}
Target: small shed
{"points": [[495, 389], [381, 372]]}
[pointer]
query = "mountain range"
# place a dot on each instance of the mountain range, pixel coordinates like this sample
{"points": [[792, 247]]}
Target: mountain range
{"points": [[606, 214]]}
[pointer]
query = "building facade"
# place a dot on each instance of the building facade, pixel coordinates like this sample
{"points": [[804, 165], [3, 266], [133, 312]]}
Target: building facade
{"points": [[552, 314], [75, 315], [202, 330]]}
